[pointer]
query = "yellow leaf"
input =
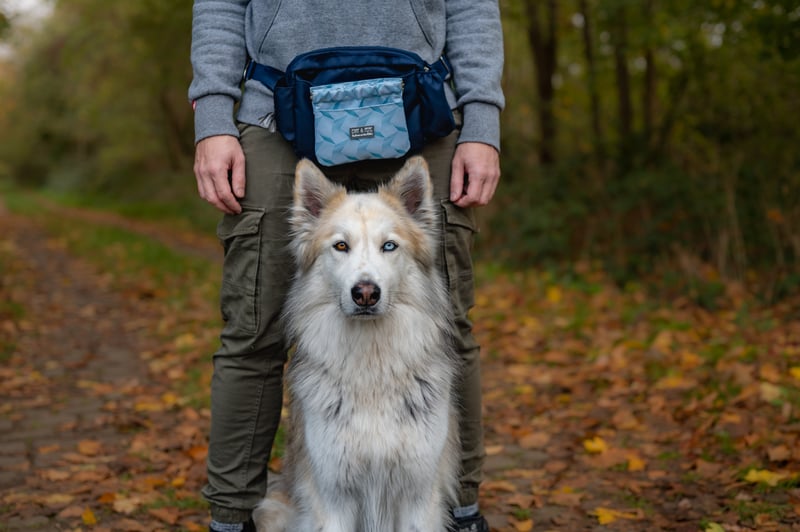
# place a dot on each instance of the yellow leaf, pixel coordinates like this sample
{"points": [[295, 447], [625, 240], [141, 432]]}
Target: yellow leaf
{"points": [[673, 382], [770, 392], [635, 464], [554, 294], [766, 477], [713, 527], [148, 406], [185, 341], [605, 516], [88, 517], [524, 526], [794, 371], [169, 398], [595, 445]]}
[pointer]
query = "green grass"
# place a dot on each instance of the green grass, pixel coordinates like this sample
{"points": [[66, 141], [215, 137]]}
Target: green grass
{"points": [[195, 388], [521, 514], [749, 510], [279, 446]]}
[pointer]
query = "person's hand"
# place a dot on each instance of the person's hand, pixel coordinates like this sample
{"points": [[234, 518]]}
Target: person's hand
{"points": [[219, 170], [475, 174]]}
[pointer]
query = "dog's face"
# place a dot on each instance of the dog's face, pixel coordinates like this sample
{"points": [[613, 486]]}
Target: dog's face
{"points": [[364, 247]]}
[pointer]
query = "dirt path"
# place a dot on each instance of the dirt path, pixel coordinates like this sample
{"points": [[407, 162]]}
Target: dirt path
{"points": [[74, 391]]}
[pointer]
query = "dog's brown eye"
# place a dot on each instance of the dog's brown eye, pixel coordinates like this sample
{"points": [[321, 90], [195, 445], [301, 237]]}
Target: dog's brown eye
{"points": [[341, 246]]}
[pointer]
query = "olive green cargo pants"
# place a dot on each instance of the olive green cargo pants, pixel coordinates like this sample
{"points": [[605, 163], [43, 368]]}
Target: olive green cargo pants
{"points": [[247, 385]]}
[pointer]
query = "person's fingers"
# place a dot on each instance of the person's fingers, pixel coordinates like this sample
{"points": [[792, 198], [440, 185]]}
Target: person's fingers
{"points": [[219, 166], [478, 167]]}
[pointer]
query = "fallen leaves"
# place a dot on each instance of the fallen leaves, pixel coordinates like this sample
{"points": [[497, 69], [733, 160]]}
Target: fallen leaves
{"points": [[770, 478], [641, 413], [605, 407], [606, 516], [96, 441], [88, 517], [90, 447], [596, 445]]}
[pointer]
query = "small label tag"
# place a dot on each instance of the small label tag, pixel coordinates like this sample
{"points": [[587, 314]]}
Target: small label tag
{"points": [[362, 132]]}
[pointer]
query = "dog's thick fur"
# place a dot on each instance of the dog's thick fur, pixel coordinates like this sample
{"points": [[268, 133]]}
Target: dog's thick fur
{"points": [[372, 439]]}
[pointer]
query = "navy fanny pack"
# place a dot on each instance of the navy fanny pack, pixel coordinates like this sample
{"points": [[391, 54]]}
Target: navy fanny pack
{"points": [[346, 104]]}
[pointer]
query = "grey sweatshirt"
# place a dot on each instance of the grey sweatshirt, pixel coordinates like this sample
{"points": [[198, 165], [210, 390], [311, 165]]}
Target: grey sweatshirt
{"points": [[273, 32]]}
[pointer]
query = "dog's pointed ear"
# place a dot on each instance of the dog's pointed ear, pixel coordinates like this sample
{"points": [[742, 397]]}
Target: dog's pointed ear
{"points": [[412, 185], [312, 190]]}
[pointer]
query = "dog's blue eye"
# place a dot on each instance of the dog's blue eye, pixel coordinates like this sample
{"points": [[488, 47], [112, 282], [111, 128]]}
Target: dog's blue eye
{"points": [[341, 246], [389, 246]]}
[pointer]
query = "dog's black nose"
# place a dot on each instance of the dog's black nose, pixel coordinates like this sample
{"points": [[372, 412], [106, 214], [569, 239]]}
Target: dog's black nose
{"points": [[366, 293]]}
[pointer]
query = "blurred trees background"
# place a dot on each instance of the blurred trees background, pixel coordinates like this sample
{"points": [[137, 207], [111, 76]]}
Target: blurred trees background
{"points": [[645, 135]]}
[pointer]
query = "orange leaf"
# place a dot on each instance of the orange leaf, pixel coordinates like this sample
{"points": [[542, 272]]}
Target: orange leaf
{"points": [[107, 498], [536, 440], [524, 526], [499, 485], [89, 447], [198, 452]]}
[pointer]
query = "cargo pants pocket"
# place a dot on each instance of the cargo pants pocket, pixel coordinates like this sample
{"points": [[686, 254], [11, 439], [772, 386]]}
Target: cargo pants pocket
{"points": [[458, 231], [240, 235]]}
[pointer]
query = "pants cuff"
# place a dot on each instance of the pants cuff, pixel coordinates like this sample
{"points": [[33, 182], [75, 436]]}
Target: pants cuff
{"points": [[468, 495], [229, 515]]}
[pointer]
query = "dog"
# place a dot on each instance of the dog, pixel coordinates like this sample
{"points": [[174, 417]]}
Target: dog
{"points": [[372, 440]]}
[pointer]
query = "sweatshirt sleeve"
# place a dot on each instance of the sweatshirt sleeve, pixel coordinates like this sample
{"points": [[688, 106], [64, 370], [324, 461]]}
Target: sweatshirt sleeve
{"points": [[474, 46], [218, 56]]}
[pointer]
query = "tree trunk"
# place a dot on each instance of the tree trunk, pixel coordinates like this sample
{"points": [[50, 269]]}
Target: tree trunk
{"points": [[625, 108], [649, 95], [542, 37], [591, 75]]}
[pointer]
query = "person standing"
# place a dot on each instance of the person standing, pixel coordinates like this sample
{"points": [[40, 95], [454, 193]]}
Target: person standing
{"points": [[245, 168]]}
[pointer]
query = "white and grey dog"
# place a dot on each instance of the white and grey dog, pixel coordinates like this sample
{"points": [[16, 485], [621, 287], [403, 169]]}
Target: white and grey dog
{"points": [[373, 445]]}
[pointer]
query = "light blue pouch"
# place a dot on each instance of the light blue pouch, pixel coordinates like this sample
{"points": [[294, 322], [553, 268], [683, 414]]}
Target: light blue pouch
{"points": [[359, 120]]}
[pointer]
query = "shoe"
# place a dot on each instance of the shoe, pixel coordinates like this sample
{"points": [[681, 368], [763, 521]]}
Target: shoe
{"points": [[473, 523]]}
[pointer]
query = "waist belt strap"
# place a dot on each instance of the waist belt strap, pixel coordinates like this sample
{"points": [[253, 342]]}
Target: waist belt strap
{"points": [[269, 76]]}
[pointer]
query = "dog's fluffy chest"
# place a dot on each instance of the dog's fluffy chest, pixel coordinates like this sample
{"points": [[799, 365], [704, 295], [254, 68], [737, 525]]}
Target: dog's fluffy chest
{"points": [[371, 410]]}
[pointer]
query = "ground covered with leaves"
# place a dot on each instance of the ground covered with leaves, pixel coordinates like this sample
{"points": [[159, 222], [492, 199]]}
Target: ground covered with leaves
{"points": [[606, 408]]}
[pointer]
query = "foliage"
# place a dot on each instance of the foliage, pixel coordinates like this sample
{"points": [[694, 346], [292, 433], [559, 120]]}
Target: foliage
{"points": [[706, 174], [99, 96]]}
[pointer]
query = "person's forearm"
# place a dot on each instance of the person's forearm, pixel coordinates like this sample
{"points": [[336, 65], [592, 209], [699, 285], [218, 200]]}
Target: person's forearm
{"points": [[218, 56]]}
